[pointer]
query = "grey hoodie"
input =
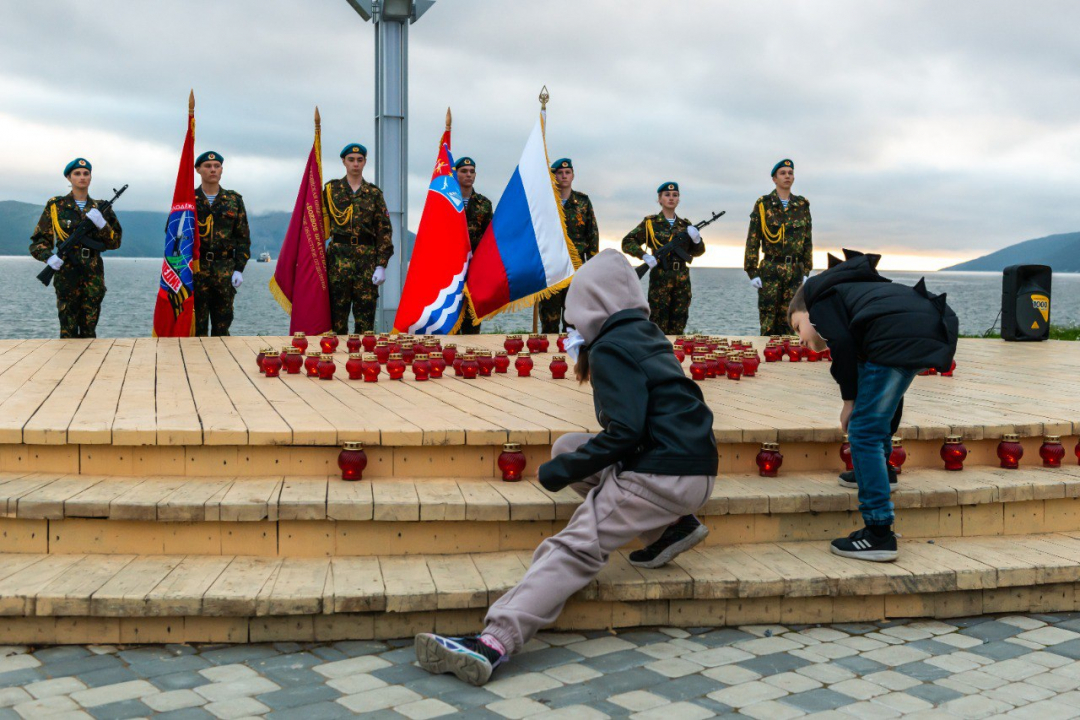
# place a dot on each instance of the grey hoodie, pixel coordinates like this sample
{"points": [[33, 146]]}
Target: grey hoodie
{"points": [[602, 287]]}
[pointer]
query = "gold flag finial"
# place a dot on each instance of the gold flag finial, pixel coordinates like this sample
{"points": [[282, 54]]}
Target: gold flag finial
{"points": [[544, 97], [447, 118], [318, 119], [191, 102]]}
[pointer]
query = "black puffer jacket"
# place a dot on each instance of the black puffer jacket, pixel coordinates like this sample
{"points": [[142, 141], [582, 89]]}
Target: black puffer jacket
{"points": [[655, 419], [865, 317]]}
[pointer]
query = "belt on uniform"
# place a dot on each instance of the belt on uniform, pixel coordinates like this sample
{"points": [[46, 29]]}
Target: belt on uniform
{"points": [[786, 259], [354, 241], [210, 256], [86, 253]]}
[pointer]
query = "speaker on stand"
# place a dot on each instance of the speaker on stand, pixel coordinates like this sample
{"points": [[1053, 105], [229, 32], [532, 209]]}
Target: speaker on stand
{"points": [[1025, 303]]}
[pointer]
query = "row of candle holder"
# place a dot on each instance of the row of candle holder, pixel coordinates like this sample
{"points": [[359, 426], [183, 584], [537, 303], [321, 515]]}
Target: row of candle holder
{"points": [[537, 343], [733, 365], [352, 460]]}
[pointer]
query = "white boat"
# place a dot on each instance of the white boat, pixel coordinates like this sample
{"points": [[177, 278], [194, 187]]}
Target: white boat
{"points": [[264, 257]]}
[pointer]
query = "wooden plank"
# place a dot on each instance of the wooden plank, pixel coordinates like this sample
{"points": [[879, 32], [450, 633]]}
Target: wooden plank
{"points": [[526, 502], [188, 502], [135, 421], [349, 501], [247, 500], [16, 489], [711, 580], [20, 588], [409, 587], [124, 595], [92, 422], [96, 500], [440, 499], [141, 501], [800, 579], [303, 498], [221, 423], [358, 585], [234, 592], [70, 593], [180, 593], [395, 499], [482, 501], [458, 584], [48, 501], [499, 571], [38, 385], [177, 417], [298, 588], [264, 425]]}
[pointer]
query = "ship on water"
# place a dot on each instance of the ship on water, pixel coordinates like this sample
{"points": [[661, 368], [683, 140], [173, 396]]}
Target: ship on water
{"points": [[264, 257]]}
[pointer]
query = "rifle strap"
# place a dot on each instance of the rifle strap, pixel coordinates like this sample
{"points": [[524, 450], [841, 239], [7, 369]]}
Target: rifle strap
{"points": [[772, 237], [58, 231]]}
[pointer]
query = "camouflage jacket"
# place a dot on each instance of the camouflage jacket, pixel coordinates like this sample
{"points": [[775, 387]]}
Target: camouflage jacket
{"points": [[51, 231], [581, 224], [797, 241], [223, 228], [637, 242], [478, 214], [361, 215]]}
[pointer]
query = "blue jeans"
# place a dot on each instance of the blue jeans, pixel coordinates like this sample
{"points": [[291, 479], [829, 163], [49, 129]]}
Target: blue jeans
{"points": [[881, 390]]}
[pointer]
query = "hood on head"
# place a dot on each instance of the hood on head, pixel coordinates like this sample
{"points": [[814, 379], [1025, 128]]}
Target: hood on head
{"points": [[855, 267], [603, 286]]}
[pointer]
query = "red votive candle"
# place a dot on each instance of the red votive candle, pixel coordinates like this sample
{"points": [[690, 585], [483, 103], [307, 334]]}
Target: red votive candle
{"points": [[560, 342], [1052, 451], [734, 367], [382, 352], [794, 352], [408, 352], [845, 453], [502, 361], [353, 344], [272, 365], [294, 361], [558, 367], [773, 353], [395, 366], [898, 456], [680, 354], [260, 357], [524, 364], [328, 342], [371, 368], [698, 369], [421, 367], [513, 344], [438, 365], [769, 459], [354, 366], [712, 366], [750, 362], [311, 364], [511, 462], [327, 367], [369, 341], [953, 453], [950, 371], [1009, 451], [544, 343], [352, 460], [533, 343], [485, 362], [449, 352], [299, 340], [469, 367]]}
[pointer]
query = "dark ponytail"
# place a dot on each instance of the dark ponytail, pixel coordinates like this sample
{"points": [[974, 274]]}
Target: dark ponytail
{"points": [[581, 368]]}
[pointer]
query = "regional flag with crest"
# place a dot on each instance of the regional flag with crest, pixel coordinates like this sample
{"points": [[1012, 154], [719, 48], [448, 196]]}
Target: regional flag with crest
{"points": [[174, 314], [433, 300]]}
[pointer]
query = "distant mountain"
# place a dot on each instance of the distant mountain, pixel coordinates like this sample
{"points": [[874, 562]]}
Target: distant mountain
{"points": [[143, 230], [1061, 252]]}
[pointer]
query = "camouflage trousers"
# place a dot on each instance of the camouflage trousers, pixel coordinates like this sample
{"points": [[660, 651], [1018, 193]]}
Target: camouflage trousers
{"points": [[350, 268], [779, 281], [669, 299], [79, 293], [551, 313], [214, 296]]}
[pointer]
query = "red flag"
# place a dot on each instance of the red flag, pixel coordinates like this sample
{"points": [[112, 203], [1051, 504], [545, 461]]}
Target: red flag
{"points": [[300, 284], [174, 313]]}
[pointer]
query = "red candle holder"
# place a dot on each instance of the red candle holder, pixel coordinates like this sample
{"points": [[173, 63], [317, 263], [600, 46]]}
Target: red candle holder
{"points": [[327, 367], [953, 453], [680, 354], [329, 342], [1076, 451], [533, 343], [751, 362], [544, 343], [299, 340], [811, 355], [456, 364], [845, 453], [354, 366], [311, 364], [511, 462], [395, 366], [712, 366], [294, 361], [486, 363], [734, 367], [773, 353], [558, 367], [370, 367], [352, 460], [826, 355], [785, 342], [898, 456], [776, 340], [367, 341], [950, 371], [260, 357], [438, 366], [395, 344], [560, 341], [794, 353], [698, 369], [470, 368], [928, 371], [769, 459], [524, 364], [272, 365], [421, 367], [502, 361], [382, 352], [449, 352], [1009, 451], [408, 352], [353, 344], [1052, 451], [513, 344]]}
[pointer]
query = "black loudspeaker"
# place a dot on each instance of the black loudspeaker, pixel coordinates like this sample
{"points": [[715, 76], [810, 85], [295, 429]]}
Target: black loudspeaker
{"points": [[1025, 302]]}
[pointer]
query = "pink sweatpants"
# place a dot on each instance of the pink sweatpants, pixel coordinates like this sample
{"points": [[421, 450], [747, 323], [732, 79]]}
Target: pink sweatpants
{"points": [[618, 507]]}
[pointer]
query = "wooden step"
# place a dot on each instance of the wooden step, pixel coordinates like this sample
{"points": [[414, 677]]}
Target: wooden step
{"points": [[322, 516], [94, 597]]}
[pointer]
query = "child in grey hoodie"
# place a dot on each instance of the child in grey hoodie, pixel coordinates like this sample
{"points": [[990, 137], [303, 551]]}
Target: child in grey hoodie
{"points": [[644, 476]]}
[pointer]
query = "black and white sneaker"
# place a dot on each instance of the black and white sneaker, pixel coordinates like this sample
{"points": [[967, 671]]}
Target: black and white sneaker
{"points": [[847, 479], [865, 545], [468, 658], [680, 536]]}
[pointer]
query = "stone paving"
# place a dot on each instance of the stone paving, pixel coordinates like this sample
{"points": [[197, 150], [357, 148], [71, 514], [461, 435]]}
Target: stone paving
{"points": [[1012, 666]]}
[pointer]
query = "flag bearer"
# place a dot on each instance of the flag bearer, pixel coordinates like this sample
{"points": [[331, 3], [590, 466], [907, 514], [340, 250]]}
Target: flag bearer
{"points": [[361, 243], [478, 214], [580, 227], [669, 287], [80, 278], [224, 247], [780, 230]]}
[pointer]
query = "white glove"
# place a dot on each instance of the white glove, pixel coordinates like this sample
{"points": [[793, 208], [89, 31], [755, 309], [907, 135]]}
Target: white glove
{"points": [[95, 217], [379, 276], [55, 262], [806, 278], [572, 344], [756, 282], [649, 260], [694, 234], [237, 279]]}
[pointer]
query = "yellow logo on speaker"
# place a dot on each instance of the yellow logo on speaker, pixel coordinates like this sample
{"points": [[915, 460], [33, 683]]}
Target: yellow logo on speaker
{"points": [[1042, 304]]}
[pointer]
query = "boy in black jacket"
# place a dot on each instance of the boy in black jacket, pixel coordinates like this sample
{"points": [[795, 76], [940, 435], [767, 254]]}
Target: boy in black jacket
{"points": [[645, 475], [881, 336]]}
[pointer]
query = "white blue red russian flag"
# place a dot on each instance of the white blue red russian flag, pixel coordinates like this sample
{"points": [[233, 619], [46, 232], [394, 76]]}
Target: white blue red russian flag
{"points": [[525, 254]]}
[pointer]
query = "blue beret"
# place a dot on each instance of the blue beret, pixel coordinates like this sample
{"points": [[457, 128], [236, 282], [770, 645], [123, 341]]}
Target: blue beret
{"points": [[208, 155], [562, 164], [353, 148], [464, 162], [77, 163], [667, 186], [782, 163]]}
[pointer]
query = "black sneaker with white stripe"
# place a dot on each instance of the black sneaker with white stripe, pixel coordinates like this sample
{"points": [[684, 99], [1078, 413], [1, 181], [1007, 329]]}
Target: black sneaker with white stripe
{"points": [[866, 545], [847, 479], [680, 536]]}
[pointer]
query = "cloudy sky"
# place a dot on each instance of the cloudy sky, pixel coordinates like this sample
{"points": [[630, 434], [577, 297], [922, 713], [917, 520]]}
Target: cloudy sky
{"points": [[931, 131]]}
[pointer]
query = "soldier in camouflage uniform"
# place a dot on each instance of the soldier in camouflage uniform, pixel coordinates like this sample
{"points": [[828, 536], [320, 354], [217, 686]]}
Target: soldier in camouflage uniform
{"points": [[781, 231], [80, 278], [669, 289], [582, 231], [478, 214], [361, 243], [224, 248]]}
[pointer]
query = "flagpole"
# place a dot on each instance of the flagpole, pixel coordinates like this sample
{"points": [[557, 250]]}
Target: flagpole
{"points": [[544, 97], [448, 119]]}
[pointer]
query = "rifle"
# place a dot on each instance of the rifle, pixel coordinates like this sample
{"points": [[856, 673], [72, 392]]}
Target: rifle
{"points": [[677, 246], [79, 236]]}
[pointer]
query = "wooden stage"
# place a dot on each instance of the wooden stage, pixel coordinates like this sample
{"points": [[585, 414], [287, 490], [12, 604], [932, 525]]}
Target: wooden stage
{"points": [[164, 491]]}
